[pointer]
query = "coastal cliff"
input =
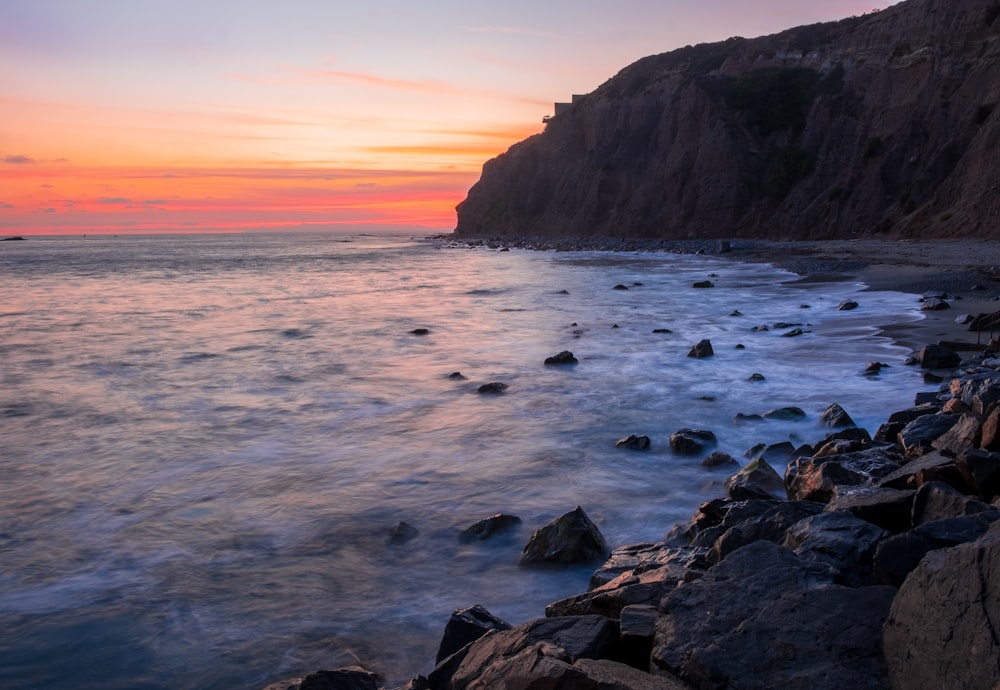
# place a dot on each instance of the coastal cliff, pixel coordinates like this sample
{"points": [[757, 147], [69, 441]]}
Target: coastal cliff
{"points": [[883, 125]]}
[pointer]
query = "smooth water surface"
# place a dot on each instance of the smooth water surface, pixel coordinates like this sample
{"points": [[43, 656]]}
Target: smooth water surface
{"points": [[206, 440]]}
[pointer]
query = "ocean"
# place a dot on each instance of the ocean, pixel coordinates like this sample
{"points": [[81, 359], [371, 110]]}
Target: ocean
{"points": [[207, 440]]}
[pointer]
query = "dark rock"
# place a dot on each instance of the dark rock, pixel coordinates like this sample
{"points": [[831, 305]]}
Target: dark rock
{"points": [[487, 527], [889, 432], [620, 287], [633, 442], [897, 556], [939, 357], [853, 433], [903, 477], [571, 538], [874, 368], [990, 434], [719, 459], [917, 437], [563, 358], [934, 304], [756, 378], [907, 416], [682, 562], [457, 375], [770, 526], [715, 518], [840, 446], [703, 284], [691, 441], [941, 631], [978, 391], [736, 312], [492, 388], [702, 349], [890, 509], [765, 618], [756, 480], [637, 629], [847, 305], [794, 333], [955, 406], [840, 540], [835, 416], [351, 678], [662, 330], [760, 329], [741, 418], [981, 470], [778, 453], [465, 626], [786, 414], [420, 331], [938, 501], [821, 479], [538, 654], [402, 533], [962, 436]]}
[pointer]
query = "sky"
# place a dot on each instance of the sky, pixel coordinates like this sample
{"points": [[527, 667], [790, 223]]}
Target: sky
{"points": [[237, 115]]}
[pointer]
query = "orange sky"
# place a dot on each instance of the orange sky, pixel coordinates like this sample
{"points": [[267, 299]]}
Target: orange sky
{"points": [[223, 115]]}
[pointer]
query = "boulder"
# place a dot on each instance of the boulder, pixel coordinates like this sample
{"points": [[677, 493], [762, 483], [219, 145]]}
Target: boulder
{"points": [[563, 358], [487, 527], [823, 478], [904, 477], [403, 532], [917, 438], [703, 284], [685, 562], [990, 433], [633, 442], [525, 655], [571, 538], [465, 626], [770, 526], [934, 304], [963, 435], [938, 501], [897, 556], [942, 631], [979, 391], [938, 357], [350, 678], [702, 349], [756, 378], [786, 414], [766, 618], [691, 441], [847, 305], [420, 331], [890, 509], [492, 388], [719, 459], [756, 480], [836, 416], [637, 627], [981, 470], [840, 540]]}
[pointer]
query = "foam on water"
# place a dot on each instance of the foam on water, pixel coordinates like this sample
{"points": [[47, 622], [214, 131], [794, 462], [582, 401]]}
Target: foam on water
{"points": [[207, 439]]}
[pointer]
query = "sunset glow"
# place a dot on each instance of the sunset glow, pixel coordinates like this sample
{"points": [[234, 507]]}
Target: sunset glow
{"points": [[221, 115]]}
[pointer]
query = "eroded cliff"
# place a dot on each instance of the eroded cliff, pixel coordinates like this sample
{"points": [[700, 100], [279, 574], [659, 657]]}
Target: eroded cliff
{"points": [[879, 125]]}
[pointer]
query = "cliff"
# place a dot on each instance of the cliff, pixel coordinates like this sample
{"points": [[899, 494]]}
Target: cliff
{"points": [[883, 125]]}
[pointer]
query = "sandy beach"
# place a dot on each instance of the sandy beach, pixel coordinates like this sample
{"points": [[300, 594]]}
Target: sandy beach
{"points": [[968, 271]]}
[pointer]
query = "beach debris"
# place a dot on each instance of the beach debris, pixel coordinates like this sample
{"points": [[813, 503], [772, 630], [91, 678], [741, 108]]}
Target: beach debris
{"points": [[847, 305], [563, 358], [571, 538], [701, 350], [633, 442], [487, 527], [492, 388], [691, 441]]}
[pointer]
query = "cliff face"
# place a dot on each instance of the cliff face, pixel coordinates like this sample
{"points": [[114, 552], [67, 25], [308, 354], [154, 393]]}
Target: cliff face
{"points": [[880, 125]]}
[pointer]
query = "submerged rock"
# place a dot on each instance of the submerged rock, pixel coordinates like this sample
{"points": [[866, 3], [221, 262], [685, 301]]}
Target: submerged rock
{"points": [[633, 442], [691, 441], [563, 358], [492, 388], [702, 349], [487, 527]]}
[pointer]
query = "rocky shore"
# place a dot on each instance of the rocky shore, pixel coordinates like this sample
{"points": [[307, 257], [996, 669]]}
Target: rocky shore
{"points": [[872, 561]]}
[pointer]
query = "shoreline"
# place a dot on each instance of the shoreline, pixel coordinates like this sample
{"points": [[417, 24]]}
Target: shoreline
{"points": [[966, 270]]}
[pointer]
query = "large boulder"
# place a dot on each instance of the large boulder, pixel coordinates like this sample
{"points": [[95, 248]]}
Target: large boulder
{"points": [[836, 416], [964, 434], [465, 626], [978, 391], [691, 441], [823, 478], [917, 437], [764, 618], [756, 480], [702, 349], [571, 538], [771, 525], [839, 539], [942, 628], [939, 501], [939, 357], [890, 509], [981, 470]]}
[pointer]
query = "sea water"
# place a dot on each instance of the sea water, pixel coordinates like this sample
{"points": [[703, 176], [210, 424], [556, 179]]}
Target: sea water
{"points": [[206, 441]]}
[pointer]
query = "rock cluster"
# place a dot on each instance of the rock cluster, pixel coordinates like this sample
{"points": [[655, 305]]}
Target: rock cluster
{"points": [[872, 562]]}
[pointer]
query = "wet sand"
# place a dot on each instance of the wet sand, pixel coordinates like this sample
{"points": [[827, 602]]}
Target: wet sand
{"points": [[968, 271]]}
